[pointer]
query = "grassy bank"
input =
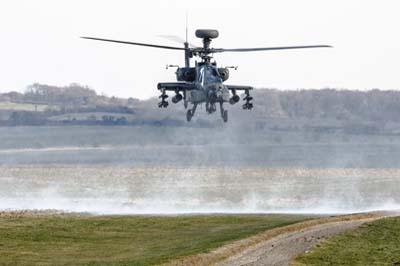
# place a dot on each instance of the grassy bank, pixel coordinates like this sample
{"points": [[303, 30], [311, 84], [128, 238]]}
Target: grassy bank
{"points": [[375, 243], [122, 240], [24, 106]]}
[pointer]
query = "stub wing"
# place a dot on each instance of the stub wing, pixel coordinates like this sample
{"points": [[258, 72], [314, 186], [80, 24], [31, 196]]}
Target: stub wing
{"points": [[176, 86], [239, 88]]}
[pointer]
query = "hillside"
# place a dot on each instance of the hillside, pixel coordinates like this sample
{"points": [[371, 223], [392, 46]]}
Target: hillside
{"points": [[325, 110]]}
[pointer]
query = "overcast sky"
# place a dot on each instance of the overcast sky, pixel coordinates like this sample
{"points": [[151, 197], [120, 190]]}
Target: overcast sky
{"points": [[39, 42]]}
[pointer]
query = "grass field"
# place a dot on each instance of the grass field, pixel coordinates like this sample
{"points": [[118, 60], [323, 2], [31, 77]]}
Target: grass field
{"points": [[375, 243], [24, 106], [122, 240]]}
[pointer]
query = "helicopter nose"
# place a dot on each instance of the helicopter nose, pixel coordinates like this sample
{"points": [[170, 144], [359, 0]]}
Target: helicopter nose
{"points": [[216, 87]]}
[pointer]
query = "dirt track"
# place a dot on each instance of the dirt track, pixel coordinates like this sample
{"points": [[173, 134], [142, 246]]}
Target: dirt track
{"points": [[280, 250]]}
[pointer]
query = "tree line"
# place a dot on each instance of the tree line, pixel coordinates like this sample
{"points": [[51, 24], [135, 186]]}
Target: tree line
{"points": [[329, 109]]}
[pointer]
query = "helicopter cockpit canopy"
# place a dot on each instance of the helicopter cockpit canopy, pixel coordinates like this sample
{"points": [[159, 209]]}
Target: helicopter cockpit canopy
{"points": [[208, 74]]}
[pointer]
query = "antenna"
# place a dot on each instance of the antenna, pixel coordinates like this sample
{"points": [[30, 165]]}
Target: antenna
{"points": [[187, 27], [187, 52]]}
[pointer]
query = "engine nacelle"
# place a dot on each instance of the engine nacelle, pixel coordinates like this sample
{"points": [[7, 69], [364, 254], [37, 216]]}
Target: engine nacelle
{"points": [[186, 74], [224, 73]]}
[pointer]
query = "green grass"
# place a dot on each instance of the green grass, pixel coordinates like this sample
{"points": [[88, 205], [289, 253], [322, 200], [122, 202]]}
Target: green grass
{"points": [[24, 106], [375, 243], [123, 240]]}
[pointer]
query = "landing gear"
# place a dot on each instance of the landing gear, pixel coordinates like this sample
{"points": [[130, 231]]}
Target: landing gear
{"points": [[225, 116], [248, 105], [190, 113], [163, 97], [224, 113], [185, 102]]}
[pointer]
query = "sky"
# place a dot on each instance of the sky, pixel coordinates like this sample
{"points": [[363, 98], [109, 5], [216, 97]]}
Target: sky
{"points": [[40, 43]]}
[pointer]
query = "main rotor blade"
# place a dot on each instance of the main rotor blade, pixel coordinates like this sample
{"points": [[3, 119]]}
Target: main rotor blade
{"points": [[136, 43], [220, 50]]}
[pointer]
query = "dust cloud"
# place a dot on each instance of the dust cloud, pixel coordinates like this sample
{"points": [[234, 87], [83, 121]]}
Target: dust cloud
{"points": [[183, 190]]}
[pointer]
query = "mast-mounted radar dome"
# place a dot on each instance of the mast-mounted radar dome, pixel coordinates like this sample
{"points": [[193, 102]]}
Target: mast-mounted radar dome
{"points": [[207, 34]]}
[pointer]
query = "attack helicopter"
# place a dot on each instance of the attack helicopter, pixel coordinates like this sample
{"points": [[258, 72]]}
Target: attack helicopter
{"points": [[204, 83]]}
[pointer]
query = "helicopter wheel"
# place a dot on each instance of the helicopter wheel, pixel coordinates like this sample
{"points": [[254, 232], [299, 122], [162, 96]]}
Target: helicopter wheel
{"points": [[225, 116], [189, 115]]}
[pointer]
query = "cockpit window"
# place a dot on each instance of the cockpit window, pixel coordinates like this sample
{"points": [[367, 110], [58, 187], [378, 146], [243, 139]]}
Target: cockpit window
{"points": [[209, 74]]}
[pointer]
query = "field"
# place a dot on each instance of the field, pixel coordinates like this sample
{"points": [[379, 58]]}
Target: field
{"points": [[139, 170], [35, 239], [24, 106], [375, 243], [191, 146]]}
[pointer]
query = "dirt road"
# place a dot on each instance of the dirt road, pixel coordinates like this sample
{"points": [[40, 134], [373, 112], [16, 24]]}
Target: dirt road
{"points": [[280, 250]]}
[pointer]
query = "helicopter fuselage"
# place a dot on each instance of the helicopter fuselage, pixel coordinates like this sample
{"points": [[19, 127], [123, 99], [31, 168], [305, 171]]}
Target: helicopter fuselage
{"points": [[204, 83], [208, 83]]}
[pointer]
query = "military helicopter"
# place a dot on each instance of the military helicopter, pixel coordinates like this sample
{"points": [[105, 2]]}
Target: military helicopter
{"points": [[204, 83]]}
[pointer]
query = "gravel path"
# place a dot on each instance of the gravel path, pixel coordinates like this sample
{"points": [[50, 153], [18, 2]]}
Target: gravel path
{"points": [[281, 249]]}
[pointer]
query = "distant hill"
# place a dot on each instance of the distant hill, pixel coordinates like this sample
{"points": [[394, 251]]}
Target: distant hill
{"points": [[325, 110]]}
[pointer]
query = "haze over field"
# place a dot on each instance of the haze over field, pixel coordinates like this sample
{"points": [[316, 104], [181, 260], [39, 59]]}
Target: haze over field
{"points": [[168, 190], [303, 151], [168, 170]]}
